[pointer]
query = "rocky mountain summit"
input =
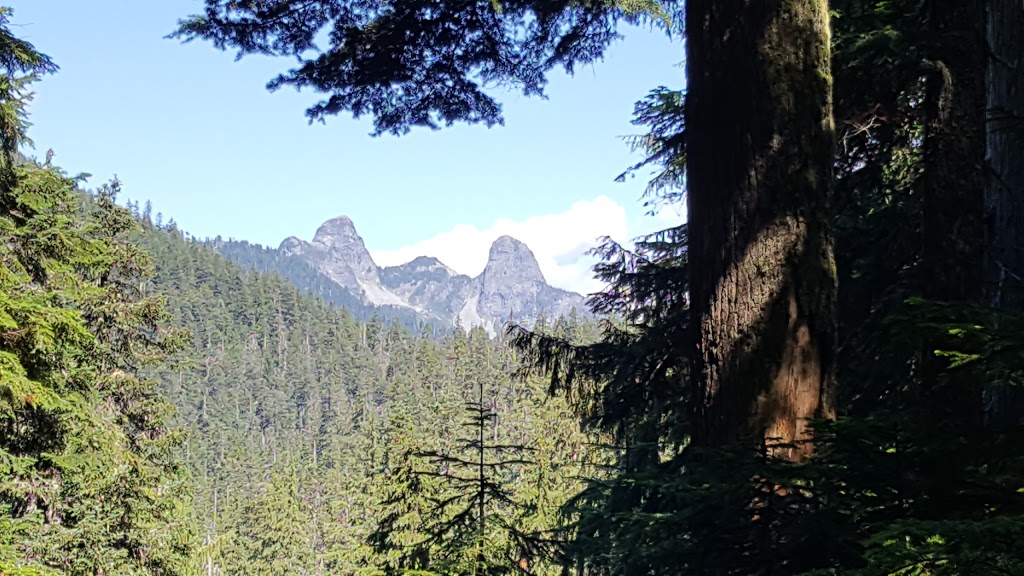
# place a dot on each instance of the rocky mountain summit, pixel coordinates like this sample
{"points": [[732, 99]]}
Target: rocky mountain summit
{"points": [[511, 286]]}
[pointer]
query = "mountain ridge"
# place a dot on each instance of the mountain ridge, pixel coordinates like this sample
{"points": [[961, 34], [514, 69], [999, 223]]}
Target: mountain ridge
{"points": [[511, 287]]}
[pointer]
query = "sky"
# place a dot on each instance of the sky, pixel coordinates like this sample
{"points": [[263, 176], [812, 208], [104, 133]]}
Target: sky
{"points": [[195, 132]]}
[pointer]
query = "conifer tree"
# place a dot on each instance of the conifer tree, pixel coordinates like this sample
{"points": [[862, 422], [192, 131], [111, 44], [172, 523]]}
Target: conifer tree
{"points": [[273, 536], [953, 189], [91, 476], [400, 541], [471, 524]]}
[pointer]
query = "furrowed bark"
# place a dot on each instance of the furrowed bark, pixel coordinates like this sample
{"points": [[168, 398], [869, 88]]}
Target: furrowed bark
{"points": [[759, 171]]}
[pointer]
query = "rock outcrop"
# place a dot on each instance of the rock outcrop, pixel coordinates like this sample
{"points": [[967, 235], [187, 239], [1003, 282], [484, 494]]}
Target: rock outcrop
{"points": [[511, 286]]}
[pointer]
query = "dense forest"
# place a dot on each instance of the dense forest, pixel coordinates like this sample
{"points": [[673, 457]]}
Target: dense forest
{"points": [[305, 422], [815, 374]]}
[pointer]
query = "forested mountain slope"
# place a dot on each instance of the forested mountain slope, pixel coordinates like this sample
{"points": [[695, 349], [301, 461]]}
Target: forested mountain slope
{"points": [[312, 282], [298, 415], [321, 444]]}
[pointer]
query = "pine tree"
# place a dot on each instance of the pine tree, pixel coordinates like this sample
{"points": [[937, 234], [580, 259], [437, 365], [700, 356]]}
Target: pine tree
{"points": [[471, 523], [399, 541]]}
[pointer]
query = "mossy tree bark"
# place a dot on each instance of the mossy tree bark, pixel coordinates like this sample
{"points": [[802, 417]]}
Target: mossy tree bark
{"points": [[953, 188], [760, 141]]}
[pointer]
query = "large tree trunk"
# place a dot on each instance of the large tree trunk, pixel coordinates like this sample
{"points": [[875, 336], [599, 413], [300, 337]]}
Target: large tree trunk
{"points": [[1004, 184], [953, 183], [759, 171]]}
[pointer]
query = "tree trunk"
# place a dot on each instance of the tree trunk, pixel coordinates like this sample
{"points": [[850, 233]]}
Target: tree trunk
{"points": [[760, 140], [953, 183], [1004, 183]]}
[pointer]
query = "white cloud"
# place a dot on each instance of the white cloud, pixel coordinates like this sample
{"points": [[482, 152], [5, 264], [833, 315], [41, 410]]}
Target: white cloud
{"points": [[665, 217], [559, 241]]}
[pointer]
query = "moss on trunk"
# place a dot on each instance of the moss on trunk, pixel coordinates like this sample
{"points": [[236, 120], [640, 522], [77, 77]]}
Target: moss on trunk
{"points": [[760, 152]]}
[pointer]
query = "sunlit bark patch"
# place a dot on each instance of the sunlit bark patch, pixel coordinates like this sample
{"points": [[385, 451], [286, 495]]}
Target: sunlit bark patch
{"points": [[760, 141]]}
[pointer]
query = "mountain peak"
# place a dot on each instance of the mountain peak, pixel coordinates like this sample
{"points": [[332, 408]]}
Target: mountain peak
{"points": [[505, 240], [291, 245], [511, 258], [338, 252], [429, 264], [425, 262], [340, 228], [342, 220], [511, 285]]}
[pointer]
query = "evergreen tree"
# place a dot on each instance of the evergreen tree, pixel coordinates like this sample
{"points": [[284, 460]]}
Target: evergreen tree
{"points": [[399, 540], [276, 384], [92, 483], [953, 192], [470, 524], [886, 491], [695, 393], [273, 536]]}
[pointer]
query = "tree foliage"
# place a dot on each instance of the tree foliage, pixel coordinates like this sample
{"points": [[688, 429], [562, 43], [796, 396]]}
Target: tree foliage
{"points": [[296, 410], [92, 480], [323, 440], [417, 63]]}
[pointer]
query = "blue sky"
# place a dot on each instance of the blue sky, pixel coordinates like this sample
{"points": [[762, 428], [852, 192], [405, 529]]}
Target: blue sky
{"points": [[195, 132]]}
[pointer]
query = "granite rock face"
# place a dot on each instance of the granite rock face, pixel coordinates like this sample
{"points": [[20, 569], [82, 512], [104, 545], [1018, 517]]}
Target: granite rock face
{"points": [[340, 254], [511, 286]]}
